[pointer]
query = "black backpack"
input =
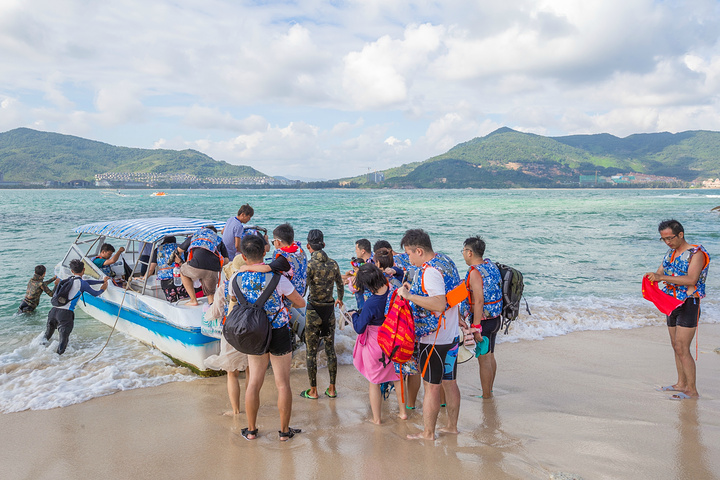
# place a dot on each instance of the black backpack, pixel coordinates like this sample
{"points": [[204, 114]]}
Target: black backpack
{"points": [[247, 327], [61, 294], [512, 289]]}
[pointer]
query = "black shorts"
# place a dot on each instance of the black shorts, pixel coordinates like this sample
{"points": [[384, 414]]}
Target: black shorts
{"points": [[686, 315], [442, 364], [280, 341], [26, 307], [490, 329]]}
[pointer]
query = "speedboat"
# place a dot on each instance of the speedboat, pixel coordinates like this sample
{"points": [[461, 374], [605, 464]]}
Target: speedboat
{"points": [[139, 307], [158, 194]]}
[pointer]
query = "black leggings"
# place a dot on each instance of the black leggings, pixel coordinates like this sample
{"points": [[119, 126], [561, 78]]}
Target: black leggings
{"points": [[62, 320]]}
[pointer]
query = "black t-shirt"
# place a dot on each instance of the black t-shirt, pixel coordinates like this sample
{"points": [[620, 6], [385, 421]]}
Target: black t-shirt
{"points": [[202, 259]]}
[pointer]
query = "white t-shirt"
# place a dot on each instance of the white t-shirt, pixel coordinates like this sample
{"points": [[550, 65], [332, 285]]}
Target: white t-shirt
{"points": [[434, 286]]}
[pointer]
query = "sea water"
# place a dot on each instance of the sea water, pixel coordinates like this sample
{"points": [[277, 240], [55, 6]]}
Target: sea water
{"points": [[583, 253]]}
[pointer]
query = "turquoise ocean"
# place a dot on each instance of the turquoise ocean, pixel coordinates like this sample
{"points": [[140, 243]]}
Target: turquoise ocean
{"points": [[583, 253]]}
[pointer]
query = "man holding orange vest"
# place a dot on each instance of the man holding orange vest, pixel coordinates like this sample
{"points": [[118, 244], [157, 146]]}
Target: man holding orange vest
{"points": [[683, 272], [436, 329]]}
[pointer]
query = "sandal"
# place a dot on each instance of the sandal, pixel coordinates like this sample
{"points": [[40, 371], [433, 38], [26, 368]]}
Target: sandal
{"points": [[246, 431], [327, 392], [284, 436], [306, 394]]}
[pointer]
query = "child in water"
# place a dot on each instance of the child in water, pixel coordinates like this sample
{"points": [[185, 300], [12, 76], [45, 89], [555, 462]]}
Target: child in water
{"points": [[367, 352]]}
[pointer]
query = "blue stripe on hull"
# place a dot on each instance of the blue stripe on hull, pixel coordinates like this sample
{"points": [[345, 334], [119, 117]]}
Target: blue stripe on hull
{"points": [[186, 337]]}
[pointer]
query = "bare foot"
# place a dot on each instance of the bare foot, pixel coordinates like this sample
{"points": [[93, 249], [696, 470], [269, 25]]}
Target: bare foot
{"points": [[402, 416], [420, 436], [451, 431], [192, 304], [230, 413], [376, 422]]}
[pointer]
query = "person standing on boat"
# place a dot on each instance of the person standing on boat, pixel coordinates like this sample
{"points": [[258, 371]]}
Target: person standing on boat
{"points": [[206, 254], [683, 272], [35, 288], [62, 318], [252, 284], [163, 260], [234, 227], [107, 258], [485, 295], [322, 273]]}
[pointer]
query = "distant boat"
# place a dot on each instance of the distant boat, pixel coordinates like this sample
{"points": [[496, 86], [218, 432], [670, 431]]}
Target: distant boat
{"points": [[158, 194]]}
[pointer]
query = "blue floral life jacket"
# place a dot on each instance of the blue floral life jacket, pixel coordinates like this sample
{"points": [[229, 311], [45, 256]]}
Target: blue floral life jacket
{"points": [[678, 266], [252, 285], [426, 321], [207, 239], [298, 267], [164, 267], [492, 288], [391, 290]]}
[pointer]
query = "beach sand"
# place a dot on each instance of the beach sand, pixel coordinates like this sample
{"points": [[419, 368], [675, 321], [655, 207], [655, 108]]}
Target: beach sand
{"points": [[582, 405]]}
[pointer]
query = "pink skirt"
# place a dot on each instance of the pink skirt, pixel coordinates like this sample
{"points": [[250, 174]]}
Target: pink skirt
{"points": [[367, 355]]}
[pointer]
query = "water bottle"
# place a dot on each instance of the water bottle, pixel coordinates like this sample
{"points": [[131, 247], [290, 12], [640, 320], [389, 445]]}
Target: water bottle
{"points": [[177, 281]]}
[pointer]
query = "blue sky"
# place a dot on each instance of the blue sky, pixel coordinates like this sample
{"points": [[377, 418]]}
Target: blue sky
{"points": [[320, 89]]}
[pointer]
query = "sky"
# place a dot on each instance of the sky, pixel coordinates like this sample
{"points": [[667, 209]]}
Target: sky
{"points": [[330, 89]]}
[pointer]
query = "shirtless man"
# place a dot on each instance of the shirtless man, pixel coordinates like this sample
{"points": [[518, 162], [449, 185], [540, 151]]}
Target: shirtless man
{"points": [[683, 272]]}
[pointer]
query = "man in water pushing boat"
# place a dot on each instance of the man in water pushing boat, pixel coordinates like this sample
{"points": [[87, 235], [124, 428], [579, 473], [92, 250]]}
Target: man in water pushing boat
{"points": [[683, 272], [62, 318], [35, 288]]}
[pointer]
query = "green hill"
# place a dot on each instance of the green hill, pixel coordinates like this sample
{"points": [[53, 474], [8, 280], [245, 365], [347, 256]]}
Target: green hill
{"points": [[506, 157], [31, 156]]}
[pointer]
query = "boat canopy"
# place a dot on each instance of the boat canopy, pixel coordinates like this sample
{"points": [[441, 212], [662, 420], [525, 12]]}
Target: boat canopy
{"points": [[148, 230]]}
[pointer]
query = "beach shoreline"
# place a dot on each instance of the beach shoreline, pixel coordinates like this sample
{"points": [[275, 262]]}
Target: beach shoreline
{"points": [[582, 404]]}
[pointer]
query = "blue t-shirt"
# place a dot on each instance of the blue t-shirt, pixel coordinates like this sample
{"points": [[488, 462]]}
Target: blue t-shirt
{"points": [[233, 229], [372, 313]]}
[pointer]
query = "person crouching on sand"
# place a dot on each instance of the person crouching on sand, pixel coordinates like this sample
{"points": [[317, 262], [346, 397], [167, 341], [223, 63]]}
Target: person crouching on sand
{"points": [[367, 352]]}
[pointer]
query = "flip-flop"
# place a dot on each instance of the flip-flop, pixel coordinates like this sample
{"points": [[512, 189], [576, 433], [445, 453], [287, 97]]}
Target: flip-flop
{"points": [[680, 396], [483, 347], [409, 408], [327, 392], [669, 388], [306, 394]]}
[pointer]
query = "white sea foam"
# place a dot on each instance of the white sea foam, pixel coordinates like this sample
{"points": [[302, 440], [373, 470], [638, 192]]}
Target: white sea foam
{"points": [[34, 377], [551, 318]]}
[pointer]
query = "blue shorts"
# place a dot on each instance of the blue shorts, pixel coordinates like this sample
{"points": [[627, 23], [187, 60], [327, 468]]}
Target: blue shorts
{"points": [[442, 364]]}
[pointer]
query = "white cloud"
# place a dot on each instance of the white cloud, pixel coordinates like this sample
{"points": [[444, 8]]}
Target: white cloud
{"points": [[344, 86]]}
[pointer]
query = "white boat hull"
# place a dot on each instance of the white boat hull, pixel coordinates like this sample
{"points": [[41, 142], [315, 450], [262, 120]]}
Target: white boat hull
{"points": [[172, 329]]}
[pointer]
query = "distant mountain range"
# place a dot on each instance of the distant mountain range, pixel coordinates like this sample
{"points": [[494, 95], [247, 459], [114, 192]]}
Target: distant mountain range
{"points": [[508, 158], [31, 156], [504, 158]]}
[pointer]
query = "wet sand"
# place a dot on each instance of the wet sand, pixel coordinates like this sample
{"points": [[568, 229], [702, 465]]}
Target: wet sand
{"points": [[583, 405]]}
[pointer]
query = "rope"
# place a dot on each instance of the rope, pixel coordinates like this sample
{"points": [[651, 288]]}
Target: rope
{"points": [[117, 317]]}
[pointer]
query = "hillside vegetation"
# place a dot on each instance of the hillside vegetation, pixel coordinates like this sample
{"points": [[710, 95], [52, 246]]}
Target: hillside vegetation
{"points": [[31, 156], [507, 158]]}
